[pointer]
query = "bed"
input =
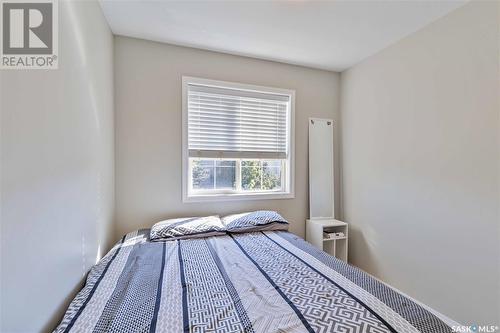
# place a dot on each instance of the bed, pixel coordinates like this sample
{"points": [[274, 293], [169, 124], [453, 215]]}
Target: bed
{"points": [[268, 281]]}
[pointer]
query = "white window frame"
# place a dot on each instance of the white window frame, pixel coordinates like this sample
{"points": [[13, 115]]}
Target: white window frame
{"points": [[288, 191]]}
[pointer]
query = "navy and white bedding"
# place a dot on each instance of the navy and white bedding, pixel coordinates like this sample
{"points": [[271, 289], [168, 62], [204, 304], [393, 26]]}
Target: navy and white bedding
{"points": [[271, 281]]}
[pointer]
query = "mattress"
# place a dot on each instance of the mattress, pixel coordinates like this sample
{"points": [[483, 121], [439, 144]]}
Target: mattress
{"points": [[270, 281]]}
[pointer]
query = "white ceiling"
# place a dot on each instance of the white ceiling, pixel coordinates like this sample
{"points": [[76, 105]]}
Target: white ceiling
{"points": [[333, 35]]}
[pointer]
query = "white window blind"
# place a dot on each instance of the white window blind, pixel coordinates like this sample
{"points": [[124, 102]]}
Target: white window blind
{"points": [[233, 123]]}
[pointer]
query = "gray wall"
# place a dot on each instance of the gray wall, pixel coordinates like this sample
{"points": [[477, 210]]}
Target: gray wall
{"points": [[420, 149], [57, 172], [148, 127]]}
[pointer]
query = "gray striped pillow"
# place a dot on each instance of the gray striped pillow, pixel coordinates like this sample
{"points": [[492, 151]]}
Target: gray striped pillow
{"points": [[187, 227], [255, 221]]}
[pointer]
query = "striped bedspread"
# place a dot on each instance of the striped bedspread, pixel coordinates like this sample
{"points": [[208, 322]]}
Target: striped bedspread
{"points": [[252, 282]]}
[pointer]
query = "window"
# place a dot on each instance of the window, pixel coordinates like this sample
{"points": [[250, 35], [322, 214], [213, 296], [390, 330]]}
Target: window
{"points": [[237, 141]]}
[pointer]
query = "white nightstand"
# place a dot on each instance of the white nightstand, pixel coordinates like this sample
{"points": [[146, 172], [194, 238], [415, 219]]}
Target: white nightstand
{"points": [[337, 247]]}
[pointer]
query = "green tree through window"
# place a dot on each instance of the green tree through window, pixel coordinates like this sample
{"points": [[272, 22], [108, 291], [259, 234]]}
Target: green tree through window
{"points": [[256, 175]]}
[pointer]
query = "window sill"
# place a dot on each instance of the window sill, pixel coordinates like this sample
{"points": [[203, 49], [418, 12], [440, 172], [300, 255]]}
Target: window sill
{"points": [[237, 197]]}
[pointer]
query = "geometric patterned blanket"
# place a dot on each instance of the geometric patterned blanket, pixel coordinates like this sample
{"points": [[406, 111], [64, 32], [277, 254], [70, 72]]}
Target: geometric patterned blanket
{"points": [[269, 281]]}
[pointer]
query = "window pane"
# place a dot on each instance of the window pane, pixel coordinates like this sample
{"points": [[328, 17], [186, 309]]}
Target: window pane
{"points": [[203, 174], [225, 174], [251, 172], [271, 175], [272, 163], [222, 174]]}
